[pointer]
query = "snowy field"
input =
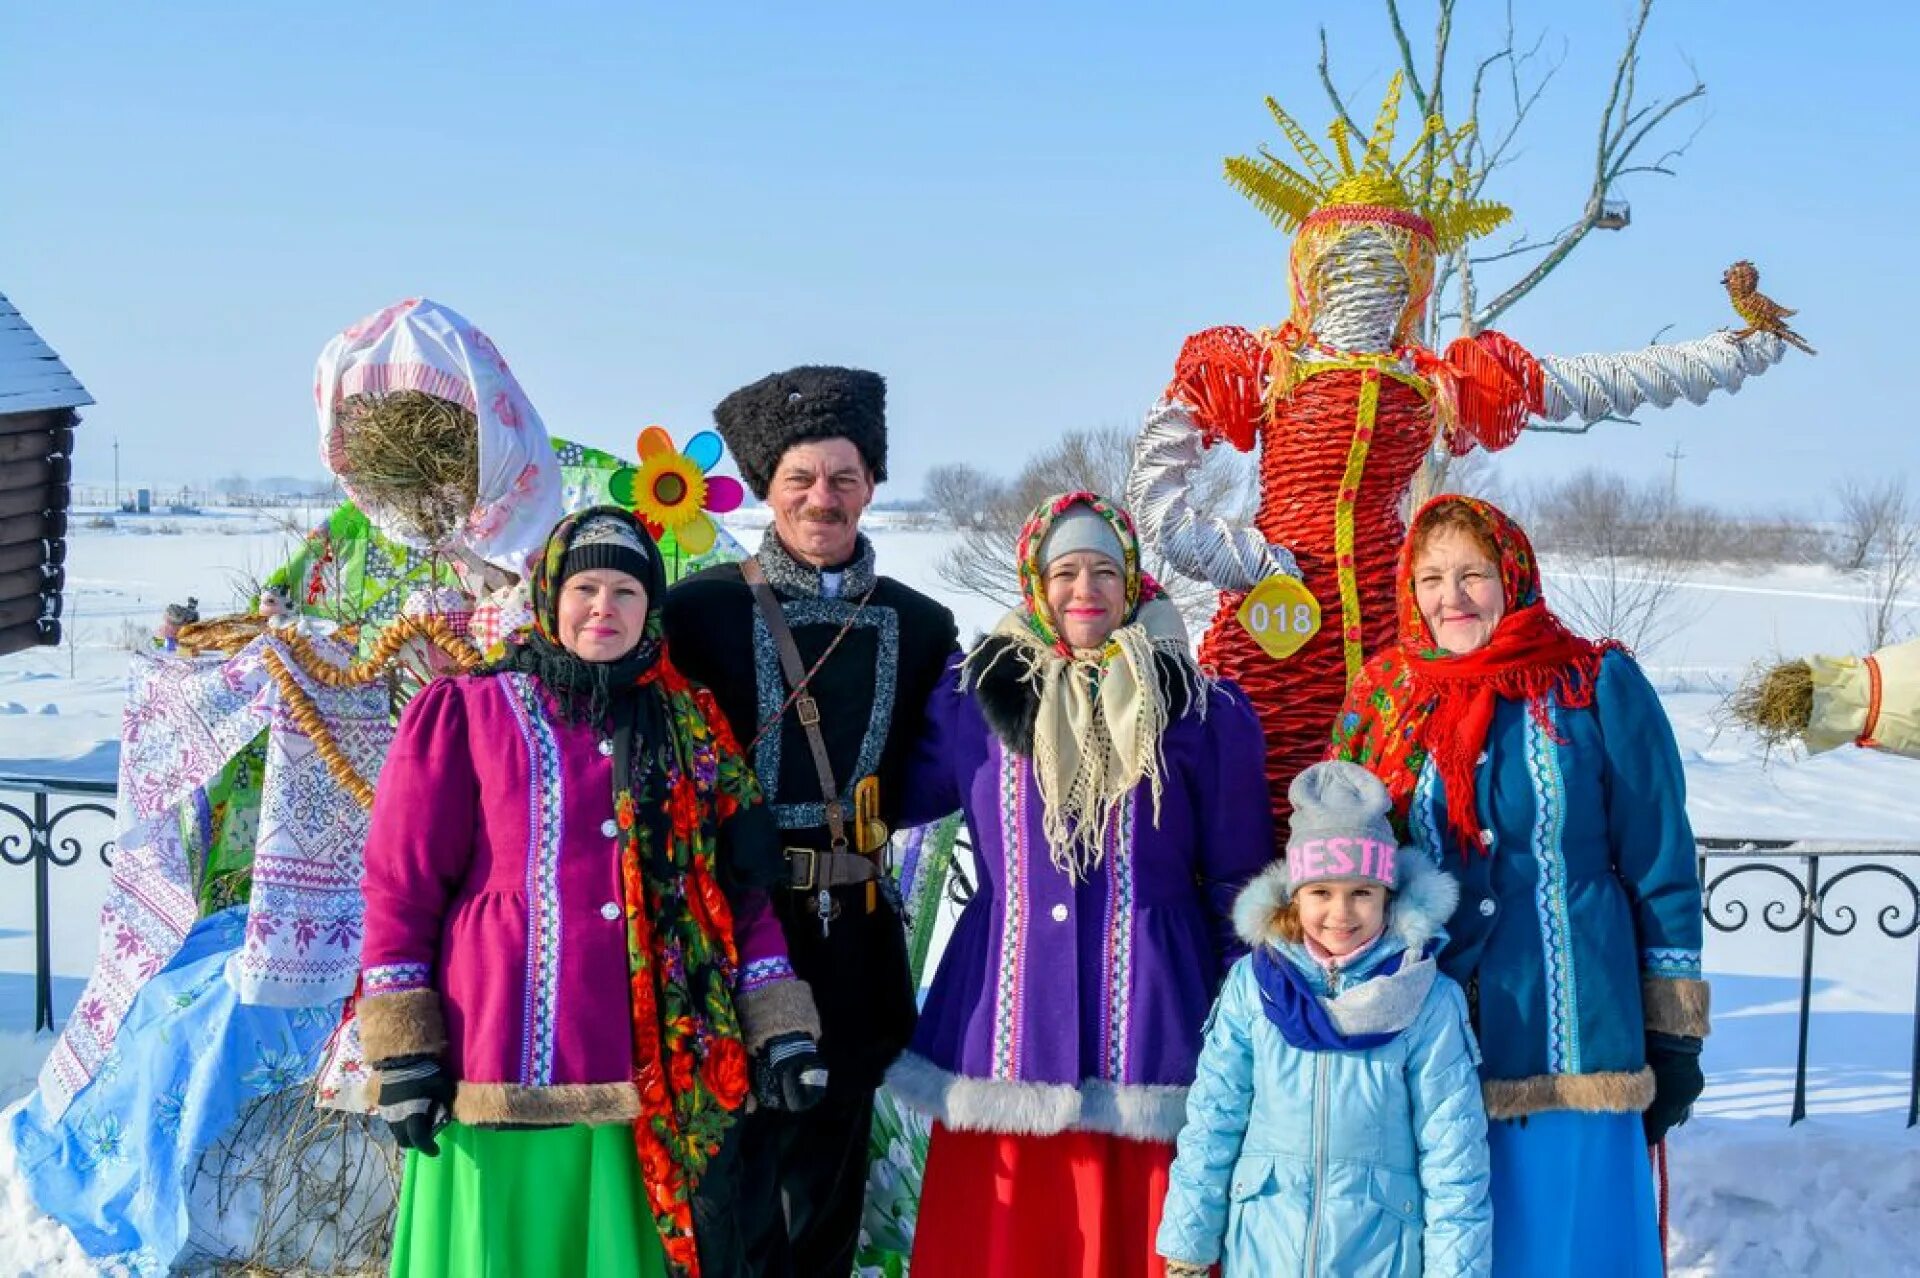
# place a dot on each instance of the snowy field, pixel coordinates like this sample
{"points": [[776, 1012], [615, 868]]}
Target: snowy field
{"points": [[1838, 1194]]}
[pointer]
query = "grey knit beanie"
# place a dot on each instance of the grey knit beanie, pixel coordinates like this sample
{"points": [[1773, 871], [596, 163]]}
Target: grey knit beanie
{"points": [[1081, 528], [1339, 828]]}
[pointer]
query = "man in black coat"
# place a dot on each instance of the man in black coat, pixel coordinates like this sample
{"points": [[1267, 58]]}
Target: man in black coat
{"points": [[811, 442]]}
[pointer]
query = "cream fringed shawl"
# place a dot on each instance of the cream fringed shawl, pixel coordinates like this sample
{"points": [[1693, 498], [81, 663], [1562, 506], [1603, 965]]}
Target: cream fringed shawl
{"points": [[1100, 717]]}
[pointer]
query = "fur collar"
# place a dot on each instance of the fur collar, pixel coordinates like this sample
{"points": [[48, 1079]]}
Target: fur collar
{"points": [[794, 577], [1420, 909], [1010, 702]]}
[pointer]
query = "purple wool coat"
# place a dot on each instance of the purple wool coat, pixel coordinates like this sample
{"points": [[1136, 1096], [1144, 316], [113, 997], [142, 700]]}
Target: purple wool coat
{"points": [[1061, 1006], [495, 927]]}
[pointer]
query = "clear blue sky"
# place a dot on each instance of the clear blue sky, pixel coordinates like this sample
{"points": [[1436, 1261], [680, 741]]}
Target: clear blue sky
{"points": [[1014, 215]]}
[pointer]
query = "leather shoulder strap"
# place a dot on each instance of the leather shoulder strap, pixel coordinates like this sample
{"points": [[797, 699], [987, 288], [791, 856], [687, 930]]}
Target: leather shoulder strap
{"points": [[803, 703]]}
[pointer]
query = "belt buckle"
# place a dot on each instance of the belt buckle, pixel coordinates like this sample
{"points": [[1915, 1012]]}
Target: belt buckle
{"points": [[813, 868]]}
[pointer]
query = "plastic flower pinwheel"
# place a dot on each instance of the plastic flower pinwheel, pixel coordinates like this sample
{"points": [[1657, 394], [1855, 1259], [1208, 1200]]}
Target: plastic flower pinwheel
{"points": [[671, 491]]}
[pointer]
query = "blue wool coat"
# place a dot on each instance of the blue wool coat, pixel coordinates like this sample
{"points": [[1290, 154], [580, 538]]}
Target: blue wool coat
{"points": [[1367, 1164], [1578, 928]]}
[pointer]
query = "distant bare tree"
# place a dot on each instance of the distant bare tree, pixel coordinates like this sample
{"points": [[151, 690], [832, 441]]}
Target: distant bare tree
{"points": [[1893, 562], [1626, 550], [1866, 510], [963, 493], [982, 562]]}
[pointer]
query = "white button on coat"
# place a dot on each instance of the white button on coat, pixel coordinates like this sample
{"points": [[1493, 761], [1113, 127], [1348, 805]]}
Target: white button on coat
{"points": [[606, 749], [609, 828], [1059, 914], [1487, 907], [610, 911]]}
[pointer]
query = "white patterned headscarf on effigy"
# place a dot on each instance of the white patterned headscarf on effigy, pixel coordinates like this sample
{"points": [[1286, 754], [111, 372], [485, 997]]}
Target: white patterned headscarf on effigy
{"points": [[420, 345]]}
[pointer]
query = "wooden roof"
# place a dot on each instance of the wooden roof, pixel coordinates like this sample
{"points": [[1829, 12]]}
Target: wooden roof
{"points": [[31, 375]]}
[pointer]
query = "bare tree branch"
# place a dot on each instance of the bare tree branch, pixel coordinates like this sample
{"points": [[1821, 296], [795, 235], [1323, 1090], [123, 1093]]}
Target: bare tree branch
{"points": [[1623, 127], [1333, 94], [1406, 57], [1442, 38]]}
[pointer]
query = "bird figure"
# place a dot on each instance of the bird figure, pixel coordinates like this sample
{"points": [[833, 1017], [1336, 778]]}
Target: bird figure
{"points": [[1762, 313]]}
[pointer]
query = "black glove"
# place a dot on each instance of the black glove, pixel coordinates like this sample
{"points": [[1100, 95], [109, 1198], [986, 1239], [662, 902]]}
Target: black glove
{"points": [[416, 1100], [1677, 1082], [789, 1073]]}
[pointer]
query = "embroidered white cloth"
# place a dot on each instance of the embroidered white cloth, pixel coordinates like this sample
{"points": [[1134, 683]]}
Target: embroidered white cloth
{"points": [[185, 719], [420, 345]]}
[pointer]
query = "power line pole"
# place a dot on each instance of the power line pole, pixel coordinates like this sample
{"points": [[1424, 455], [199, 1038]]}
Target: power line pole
{"points": [[1673, 479], [116, 472]]}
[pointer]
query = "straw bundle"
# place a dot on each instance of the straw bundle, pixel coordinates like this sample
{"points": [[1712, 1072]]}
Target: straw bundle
{"points": [[1775, 704], [415, 457]]}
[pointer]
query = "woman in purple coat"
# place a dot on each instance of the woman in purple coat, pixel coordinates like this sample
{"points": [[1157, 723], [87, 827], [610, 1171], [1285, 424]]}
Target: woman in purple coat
{"points": [[1116, 803], [568, 953]]}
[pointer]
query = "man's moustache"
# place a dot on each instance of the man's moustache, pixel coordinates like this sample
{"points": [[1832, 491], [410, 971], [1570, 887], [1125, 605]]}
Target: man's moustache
{"points": [[822, 515]]}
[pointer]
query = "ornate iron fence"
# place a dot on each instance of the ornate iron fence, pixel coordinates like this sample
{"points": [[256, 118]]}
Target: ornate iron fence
{"points": [[1786, 886], [45, 806], [1799, 898]]}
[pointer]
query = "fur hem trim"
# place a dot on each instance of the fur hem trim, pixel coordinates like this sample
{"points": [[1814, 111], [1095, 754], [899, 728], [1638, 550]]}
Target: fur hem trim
{"points": [[514, 1105], [1619, 1092], [406, 1023], [1422, 904], [1136, 1111], [1676, 1005], [784, 1007]]}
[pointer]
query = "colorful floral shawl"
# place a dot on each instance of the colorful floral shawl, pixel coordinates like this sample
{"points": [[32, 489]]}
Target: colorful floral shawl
{"points": [[1414, 701]]}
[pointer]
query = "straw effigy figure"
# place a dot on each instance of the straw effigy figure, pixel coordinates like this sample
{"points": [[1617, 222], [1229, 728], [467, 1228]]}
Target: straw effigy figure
{"points": [[1343, 404]]}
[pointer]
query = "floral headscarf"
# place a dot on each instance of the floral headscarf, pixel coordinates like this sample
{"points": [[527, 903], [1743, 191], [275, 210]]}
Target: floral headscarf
{"points": [[420, 345], [1415, 701]]}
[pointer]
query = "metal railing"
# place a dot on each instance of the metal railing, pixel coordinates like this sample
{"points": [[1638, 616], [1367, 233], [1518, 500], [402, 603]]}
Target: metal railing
{"points": [[39, 842], [1804, 902], [1798, 894]]}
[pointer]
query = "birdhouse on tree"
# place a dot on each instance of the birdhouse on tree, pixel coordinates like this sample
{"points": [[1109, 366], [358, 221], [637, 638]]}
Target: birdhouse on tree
{"points": [[1614, 215], [38, 397]]}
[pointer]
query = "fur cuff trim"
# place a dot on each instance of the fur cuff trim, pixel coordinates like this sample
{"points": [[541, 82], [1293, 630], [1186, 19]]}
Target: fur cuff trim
{"points": [[784, 1007], [404, 1024], [1136, 1111], [1675, 1005], [1612, 1093], [512, 1105]]}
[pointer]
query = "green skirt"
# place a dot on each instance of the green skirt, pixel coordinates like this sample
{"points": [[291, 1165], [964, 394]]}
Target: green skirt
{"points": [[505, 1203]]}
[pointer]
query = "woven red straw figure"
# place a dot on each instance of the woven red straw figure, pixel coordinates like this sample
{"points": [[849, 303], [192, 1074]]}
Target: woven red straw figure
{"points": [[1343, 404]]}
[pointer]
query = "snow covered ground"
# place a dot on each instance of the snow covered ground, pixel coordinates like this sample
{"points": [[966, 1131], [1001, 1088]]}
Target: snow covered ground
{"points": [[1837, 1194]]}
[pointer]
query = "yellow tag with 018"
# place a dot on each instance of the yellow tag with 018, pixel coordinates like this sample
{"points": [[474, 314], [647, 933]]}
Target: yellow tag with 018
{"points": [[1281, 614]]}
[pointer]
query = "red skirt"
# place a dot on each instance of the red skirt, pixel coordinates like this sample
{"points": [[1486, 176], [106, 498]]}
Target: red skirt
{"points": [[1075, 1205]]}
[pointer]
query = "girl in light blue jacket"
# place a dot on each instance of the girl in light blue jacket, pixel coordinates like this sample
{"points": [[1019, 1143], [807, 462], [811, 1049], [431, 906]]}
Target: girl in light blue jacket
{"points": [[1336, 1125]]}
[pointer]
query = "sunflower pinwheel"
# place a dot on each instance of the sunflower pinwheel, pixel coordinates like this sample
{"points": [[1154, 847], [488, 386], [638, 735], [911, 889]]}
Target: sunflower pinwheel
{"points": [[671, 491]]}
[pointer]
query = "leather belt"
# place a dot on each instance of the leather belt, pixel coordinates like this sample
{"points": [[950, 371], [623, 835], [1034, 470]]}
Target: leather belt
{"points": [[814, 870]]}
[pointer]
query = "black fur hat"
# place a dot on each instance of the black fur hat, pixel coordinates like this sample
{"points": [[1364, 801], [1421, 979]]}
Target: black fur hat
{"points": [[762, 421]]}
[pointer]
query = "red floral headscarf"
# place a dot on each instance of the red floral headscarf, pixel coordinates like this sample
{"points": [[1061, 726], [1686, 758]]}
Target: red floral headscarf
{"points": [[1415, 701]]}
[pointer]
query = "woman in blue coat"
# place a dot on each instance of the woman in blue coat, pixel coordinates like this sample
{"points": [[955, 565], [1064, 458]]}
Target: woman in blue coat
{"points": [[1336, 1126], [1540, 768]]}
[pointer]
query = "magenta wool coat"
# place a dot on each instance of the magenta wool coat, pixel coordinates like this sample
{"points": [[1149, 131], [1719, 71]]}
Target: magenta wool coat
{"points": [[495, 929]]}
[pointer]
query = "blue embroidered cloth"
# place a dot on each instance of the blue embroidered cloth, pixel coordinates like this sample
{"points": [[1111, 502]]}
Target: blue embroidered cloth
{"points": [[117, 1166]]}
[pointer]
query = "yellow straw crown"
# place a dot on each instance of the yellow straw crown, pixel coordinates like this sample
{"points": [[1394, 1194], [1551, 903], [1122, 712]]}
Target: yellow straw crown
{"points": [[1412, 188]]}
